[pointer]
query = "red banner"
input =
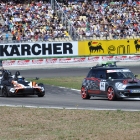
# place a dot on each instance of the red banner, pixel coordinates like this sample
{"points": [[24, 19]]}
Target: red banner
{"points": [[50, 61]]}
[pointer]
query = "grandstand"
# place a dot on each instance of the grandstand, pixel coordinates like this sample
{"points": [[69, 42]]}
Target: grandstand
{"points": [[54, 20]]}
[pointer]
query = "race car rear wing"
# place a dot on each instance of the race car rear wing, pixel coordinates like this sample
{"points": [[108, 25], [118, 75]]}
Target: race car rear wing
{"points": [[107, 64]]}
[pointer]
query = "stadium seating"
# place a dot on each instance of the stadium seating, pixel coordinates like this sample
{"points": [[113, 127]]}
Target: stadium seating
{"points": [[40, 21]]}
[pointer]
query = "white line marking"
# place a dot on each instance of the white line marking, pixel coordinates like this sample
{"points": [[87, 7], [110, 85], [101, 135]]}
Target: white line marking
{"points": [[68, 108]]}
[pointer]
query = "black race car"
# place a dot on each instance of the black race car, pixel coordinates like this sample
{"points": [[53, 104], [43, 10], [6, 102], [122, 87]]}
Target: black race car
{"points": [[108, 80], [17, 85]]}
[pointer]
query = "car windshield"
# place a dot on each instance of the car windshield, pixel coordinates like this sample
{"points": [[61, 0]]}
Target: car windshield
{"points": [[122, 74]]}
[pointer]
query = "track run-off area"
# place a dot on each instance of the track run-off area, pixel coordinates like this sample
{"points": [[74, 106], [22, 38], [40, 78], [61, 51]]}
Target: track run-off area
{"points": [[60, 97]]}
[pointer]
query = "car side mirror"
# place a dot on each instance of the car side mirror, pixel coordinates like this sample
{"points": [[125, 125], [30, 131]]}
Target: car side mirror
{"points": [[136, 76]]}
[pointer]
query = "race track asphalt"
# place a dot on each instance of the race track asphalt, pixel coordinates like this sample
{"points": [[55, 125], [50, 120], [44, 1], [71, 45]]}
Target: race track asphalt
{"points": [[64, 72], [57, 97]]}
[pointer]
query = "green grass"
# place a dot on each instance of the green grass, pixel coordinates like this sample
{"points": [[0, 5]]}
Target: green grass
{"points": [[69, 82], [61, 124]]}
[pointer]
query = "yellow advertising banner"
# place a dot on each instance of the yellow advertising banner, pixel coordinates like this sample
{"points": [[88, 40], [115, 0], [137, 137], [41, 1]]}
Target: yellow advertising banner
{"points": [[109, 47]]}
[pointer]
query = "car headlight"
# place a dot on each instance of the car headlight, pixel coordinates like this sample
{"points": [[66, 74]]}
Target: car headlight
{"points": [[120, 86]]}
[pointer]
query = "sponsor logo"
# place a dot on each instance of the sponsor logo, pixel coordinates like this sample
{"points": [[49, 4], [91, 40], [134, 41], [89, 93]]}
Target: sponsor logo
{"points": [[65, 60], [37, 61], [95, 47], [9, 62], [120, 58], [107, 58], [94, 59], [23, 62], [137, 45], [79, 59], [51, 60], [134, 57], [37, 49], [118, 70], [94, 43]]}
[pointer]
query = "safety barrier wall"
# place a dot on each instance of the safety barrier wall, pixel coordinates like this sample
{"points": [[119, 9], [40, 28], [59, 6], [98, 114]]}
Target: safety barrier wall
{"points": [[69, 49], [38, 50], [77, 60], [109, 47]]}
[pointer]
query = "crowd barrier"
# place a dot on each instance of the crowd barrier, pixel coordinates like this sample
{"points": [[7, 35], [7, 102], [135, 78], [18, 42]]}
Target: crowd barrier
{"points": [[92, 59], [69, 49], [109, 47], [90, 51]]}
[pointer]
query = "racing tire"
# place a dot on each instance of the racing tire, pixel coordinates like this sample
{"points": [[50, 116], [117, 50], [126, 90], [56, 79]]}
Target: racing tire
{"points": [[43, 93], [84, 93], [111, 95], [5, 92]]}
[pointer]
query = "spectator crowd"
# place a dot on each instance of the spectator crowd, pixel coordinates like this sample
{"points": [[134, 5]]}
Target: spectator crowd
{"points": [[35, 21], [38, 21], [115, 19]]}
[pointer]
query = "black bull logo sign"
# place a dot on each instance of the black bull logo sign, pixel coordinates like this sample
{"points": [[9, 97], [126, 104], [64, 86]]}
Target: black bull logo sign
{"points": [[137, 45], [97, 47]]}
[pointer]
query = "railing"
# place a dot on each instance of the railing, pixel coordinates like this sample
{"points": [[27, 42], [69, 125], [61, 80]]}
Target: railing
{"points": [[63, 40], [64, 20]]}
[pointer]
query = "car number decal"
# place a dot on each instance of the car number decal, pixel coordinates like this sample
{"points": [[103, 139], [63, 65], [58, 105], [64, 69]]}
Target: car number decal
{"points": [[102, 86]]}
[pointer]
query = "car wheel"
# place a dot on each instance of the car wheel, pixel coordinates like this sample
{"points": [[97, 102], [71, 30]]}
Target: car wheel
{"points": [[41, 95], [111, 94], [5, 92], [84, 93]]}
